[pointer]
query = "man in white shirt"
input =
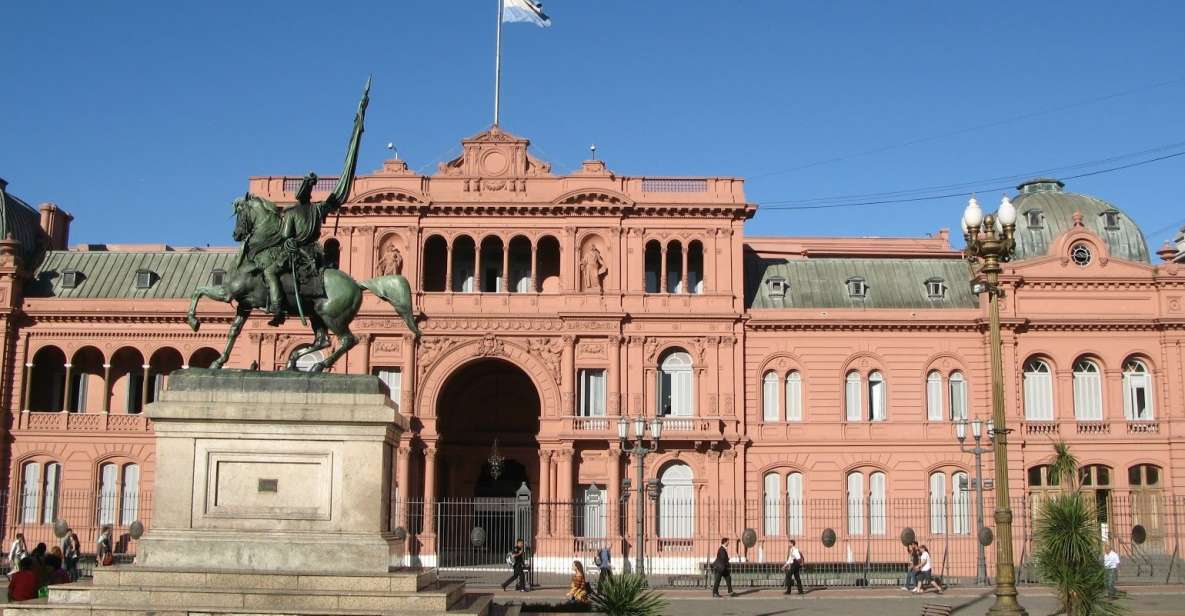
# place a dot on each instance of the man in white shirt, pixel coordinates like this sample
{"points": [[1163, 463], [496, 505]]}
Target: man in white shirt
{"points": [[793, 567], [1111, 564]]}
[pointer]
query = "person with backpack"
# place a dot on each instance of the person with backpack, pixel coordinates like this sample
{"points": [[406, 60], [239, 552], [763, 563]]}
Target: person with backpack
{"points": [[604, 563], [516, 558]]}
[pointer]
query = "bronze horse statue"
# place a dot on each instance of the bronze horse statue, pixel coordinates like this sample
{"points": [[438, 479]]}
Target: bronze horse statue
{"points": [[257, 225], [281, 269]]}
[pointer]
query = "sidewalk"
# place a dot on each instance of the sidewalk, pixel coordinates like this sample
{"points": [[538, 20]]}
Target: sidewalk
{"points": [[1157, 600]]}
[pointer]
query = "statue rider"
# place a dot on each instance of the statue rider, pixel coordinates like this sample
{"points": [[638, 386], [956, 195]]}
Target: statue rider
{"points": [[299, 253]]}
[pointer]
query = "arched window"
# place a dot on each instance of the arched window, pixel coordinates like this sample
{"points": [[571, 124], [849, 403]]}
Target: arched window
{"points": [[676, 507], [490, 254], [958, 396], [794, 514], [934, 396], [547, 265], [769, 397], [653, 267], [695, 267], [794, 396], [675, 387], [877, 401], [130, 495], [772, 501], [1038, 391], [1088, 391], [856, 510], [1137, 391], [852, 396], [464, 263], [675, 267], [959, 504], [938, 503], [520, 264], [108, 492]]}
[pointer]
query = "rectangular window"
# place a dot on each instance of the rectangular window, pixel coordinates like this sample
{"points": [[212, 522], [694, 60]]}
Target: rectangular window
{"points": [[130, 501], [1038, 394], [938, 503], [794, 504], [852, 397], [1137, 403], [856, 505], [769, 397], [393, 379], [876, 503], [134, 402], [49, 508], [108, 493], [934, 397], [592, 393], [960, 518], [30, 493], [590, 522], [772, 495]]}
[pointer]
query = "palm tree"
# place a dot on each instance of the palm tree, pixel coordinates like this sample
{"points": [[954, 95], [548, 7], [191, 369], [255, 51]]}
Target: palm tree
{"points": [[1068, 545]]}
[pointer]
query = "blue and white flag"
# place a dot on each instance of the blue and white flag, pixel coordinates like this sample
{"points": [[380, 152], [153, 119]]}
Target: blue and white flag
{"points": [[525, 10]]}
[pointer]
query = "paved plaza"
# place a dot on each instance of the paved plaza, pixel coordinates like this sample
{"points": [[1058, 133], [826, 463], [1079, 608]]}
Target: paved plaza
{"points": [[1142, 600]]}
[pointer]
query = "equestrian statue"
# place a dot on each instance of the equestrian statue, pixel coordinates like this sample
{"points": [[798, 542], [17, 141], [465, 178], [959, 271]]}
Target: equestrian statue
{"points": [[282, 270]]}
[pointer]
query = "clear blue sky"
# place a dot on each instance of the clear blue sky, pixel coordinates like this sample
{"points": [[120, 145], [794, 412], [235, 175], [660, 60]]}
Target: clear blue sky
{"points": [[145, 119]]}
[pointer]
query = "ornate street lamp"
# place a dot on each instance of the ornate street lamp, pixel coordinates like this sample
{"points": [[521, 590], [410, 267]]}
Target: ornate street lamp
{"points": [[990, 242], [981, 576], [640, 450], [495, 461]]}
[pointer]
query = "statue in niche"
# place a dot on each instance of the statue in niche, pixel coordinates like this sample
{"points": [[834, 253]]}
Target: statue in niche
{"points": [[593, 269], [390, 261]]}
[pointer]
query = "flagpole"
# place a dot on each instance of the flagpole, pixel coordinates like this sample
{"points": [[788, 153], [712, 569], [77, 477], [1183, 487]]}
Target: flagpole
{"points": [[498, 64]]}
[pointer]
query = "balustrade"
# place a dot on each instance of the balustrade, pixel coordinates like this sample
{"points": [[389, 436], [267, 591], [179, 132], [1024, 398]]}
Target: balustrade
{"points": [[81, 422]]}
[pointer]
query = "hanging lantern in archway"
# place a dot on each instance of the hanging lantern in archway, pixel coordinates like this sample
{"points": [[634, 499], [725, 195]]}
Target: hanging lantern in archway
{"points": [[495, 462]]}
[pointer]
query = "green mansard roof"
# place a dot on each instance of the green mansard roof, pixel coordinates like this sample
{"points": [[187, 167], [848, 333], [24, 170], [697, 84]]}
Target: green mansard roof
{"points": [[104, 275]]}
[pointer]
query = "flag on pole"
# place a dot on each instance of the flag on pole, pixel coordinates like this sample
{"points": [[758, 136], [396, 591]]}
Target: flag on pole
{"points": [[525, 10]]}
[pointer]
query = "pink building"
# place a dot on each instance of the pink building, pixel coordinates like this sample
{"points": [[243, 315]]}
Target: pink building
{"points": [[805, 383]]}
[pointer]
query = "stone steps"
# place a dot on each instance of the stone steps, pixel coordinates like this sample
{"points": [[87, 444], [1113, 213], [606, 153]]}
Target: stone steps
{"points": [[470, 605], [132, 590]]}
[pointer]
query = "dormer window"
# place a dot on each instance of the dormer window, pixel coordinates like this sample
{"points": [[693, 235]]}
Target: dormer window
{"points": [[936, 288], [1034, 219], [217, 277], [71, 278], [144, 279], [1111, 220], [776, 287], [857, 288]]}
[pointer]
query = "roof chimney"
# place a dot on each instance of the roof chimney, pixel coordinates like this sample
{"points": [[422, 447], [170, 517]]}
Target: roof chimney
{"points": [[56, 224]]}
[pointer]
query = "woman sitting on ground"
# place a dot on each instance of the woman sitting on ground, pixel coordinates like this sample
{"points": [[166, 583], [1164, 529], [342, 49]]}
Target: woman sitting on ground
{"points": [[578, 588]]}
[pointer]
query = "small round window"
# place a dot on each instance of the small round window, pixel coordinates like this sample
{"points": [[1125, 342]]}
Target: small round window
{"points": [[1081, 255]]}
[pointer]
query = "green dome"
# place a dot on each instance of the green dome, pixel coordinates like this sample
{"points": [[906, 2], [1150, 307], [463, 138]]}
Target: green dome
{"points": [[1044, 212]]}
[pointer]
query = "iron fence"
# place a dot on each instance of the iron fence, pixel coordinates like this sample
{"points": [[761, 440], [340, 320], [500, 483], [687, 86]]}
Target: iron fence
{"points": [[34, 514], [681, 537]]}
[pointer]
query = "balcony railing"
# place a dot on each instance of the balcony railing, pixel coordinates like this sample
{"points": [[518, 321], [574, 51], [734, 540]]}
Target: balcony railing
{"points": [[672, 427], [81, 422], [1089, 428]]}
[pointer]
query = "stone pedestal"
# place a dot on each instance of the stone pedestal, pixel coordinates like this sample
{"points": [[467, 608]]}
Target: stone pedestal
{"points": [[273, 471]]}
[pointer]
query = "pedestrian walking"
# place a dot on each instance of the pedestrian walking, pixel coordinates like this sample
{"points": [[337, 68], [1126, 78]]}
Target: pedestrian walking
{"points": [[604, 563], [793, 567], [722, 570], [912, 564], [105, 551], [71, 553], [517, 559], [17, 553], [925, 572], [1111, 565]]}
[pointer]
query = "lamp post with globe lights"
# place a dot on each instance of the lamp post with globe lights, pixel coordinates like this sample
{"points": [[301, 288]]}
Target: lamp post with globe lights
{"points": [[990, 242], [639, 450], [981, 576]]}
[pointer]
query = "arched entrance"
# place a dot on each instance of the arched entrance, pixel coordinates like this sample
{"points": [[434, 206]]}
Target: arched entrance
{"points": [[487, 421], [484, 401]]}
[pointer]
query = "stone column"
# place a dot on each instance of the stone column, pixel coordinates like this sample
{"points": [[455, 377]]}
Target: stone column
{"points": [[567, 367], [144, 386], [477, 266], [430, 488], [686, 286], [365, 340], [614, 380], [505, 286], [662, 268], [613, 467], [534, 259], [545, 490], [407, 400], [403, 479], [448, 265], [69, 388], [565, 497], [28, 387], [106, 388]]}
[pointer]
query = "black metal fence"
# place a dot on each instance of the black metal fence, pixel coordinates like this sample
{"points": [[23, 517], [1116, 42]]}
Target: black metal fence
{"points": [[469, 538], [34, 515]]}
